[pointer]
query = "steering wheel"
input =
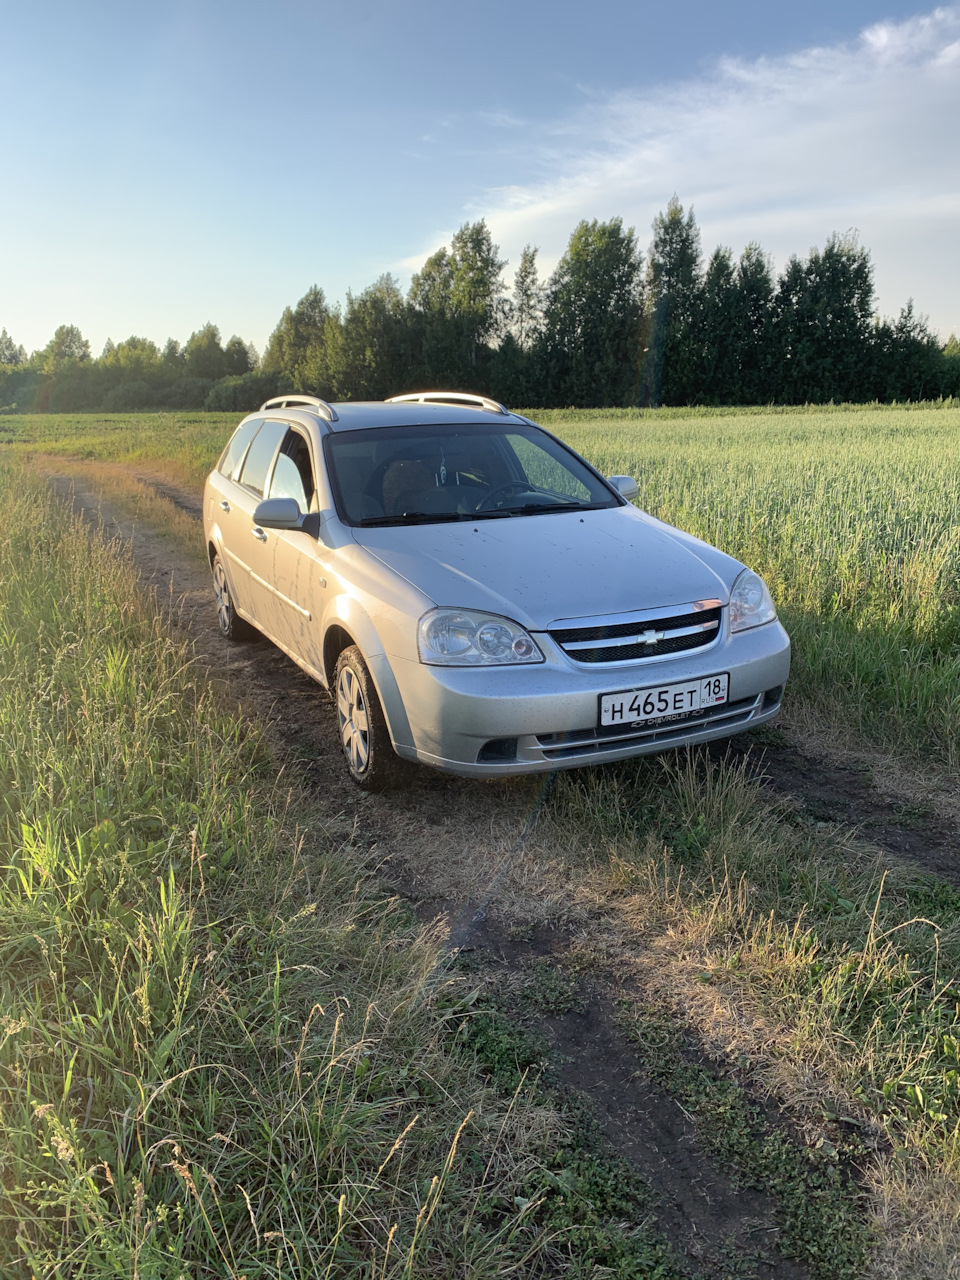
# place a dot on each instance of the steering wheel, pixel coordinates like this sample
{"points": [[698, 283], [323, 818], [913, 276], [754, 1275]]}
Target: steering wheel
{"points": [[490, 500]]}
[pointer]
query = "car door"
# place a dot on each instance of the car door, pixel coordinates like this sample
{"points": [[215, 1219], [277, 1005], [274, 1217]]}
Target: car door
{"points": [[224, 512], [251, 547], [300, 569]]}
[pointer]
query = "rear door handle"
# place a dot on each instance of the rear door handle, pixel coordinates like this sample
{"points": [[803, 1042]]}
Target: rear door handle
{"points": [[224, 505]]}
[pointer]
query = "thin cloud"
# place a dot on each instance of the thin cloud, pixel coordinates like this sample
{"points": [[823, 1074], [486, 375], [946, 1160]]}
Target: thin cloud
{"points": [[500, 119], [782, 150]]}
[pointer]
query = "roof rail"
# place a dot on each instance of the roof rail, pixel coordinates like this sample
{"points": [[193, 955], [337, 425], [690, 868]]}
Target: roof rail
{"points": [[450, 397], [295, 401]]}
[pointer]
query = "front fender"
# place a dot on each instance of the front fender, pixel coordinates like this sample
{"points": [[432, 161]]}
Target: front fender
{"points": [[348, 614]]}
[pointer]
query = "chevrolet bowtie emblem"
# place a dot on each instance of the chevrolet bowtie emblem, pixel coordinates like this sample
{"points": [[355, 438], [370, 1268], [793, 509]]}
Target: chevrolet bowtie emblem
{"points": [[649, 637]]}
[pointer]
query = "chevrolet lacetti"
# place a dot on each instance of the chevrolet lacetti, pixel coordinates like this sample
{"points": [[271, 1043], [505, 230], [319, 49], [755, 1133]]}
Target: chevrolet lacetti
{"points": [[475, 595]]}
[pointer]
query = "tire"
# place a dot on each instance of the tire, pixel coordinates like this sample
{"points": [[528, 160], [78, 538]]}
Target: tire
{"points": [[364, 737], [232, 626]]}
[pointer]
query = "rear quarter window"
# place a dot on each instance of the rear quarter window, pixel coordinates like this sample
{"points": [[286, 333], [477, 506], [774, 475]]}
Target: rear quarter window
{"points": [[287, 482]]}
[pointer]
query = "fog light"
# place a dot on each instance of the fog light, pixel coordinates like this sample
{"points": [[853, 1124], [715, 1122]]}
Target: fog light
{"points": [[498, 751]]}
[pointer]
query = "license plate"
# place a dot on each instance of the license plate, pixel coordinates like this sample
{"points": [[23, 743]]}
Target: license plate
{"points": [[663, 702]]}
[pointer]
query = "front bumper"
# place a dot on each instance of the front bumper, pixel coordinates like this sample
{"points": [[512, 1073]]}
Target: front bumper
{"points": [[497, 721]]}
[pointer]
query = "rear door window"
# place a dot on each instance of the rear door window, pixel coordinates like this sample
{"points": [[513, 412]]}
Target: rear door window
{"points": [[260, 455], [232, 455]]}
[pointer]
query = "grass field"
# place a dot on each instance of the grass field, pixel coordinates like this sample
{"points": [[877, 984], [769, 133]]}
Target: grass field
{"points": [[823, 969], [223, 1050], [827, 973], [851, 514]]}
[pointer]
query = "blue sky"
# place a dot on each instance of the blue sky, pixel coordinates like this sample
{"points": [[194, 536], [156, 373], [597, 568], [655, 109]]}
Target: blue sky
{"points": [[165, 166]]}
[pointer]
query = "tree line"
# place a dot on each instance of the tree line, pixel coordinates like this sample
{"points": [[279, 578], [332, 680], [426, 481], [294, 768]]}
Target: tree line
{"points": [[610, 327], [129, 375]]}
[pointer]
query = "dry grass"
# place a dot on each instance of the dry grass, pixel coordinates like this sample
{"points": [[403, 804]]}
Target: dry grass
{"points": [[134, 496], [919, 1220]]}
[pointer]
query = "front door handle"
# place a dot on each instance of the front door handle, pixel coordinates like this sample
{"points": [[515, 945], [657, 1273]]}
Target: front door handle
{"points": [[224, 505], [258, 533]]}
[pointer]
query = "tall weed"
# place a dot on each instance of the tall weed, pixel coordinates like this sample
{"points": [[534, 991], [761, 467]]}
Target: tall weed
{"points": [[222, 1051]]}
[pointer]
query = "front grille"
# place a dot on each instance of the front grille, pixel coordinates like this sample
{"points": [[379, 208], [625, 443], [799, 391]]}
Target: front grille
{"points": [[652, 637]]}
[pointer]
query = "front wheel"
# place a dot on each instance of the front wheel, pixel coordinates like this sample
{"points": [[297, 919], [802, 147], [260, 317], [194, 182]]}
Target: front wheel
{"points": [[232, 626], [364, 736]]}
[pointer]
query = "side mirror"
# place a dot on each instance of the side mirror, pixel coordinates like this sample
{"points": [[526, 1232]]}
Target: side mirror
{"points": [[626, 486], [278, 513], [285, 513]]}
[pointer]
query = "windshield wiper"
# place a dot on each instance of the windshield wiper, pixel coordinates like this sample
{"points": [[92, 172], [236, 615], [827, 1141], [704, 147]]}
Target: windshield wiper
{"points": [[420, 517], [409, 517], [452, 517], [543, 508]]}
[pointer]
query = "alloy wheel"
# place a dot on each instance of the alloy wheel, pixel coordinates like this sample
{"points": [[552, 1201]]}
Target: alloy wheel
{"points": [[222, 595], [354, 722]]}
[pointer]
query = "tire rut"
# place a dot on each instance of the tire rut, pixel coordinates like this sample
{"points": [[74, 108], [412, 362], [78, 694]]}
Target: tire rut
{"points": [[833, 792]]}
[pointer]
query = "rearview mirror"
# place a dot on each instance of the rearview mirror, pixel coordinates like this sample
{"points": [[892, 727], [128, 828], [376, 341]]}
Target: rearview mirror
{"points": [[626, 486]]}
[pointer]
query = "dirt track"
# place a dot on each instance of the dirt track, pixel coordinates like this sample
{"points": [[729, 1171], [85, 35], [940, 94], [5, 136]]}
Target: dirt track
{"points": [[836, 789], [464, 850]]}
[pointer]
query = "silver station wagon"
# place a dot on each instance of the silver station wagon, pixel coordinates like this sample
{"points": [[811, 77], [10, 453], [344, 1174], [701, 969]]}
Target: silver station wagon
{"points": [[475, 595]]}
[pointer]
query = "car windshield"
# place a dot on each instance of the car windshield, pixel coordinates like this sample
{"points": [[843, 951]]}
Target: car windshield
{"points": [[438, 473]]}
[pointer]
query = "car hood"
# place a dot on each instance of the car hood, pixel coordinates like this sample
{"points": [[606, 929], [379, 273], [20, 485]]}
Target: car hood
{"points": [[538, 569]]}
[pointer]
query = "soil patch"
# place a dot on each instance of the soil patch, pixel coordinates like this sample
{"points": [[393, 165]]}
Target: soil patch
{"points": [[844, 794], [721, 1229]]}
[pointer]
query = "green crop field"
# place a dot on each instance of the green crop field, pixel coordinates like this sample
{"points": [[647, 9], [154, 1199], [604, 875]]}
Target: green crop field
{"points": [[852, 515]]}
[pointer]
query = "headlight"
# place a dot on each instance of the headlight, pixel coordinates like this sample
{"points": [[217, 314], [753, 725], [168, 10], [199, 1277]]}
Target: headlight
{"points": [[750, 602], [463, 638]]}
